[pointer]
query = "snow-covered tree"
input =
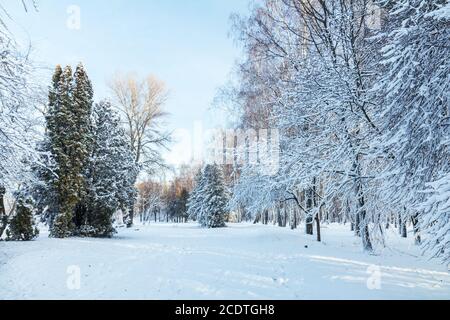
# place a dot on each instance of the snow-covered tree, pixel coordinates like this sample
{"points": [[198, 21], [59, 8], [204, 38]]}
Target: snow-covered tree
{"points": [[60, 127], [436, 219], [195, 201], [43, 185], [82, 99], [313, 62], [414, 116], [68, 146], [111, 175], [208, 203], [18, 93]]}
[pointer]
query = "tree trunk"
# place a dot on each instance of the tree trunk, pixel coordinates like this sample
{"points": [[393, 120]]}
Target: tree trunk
{"points": [[404, 231], [319, 237], [266, 217], [309, 226], [364, 231], [3, 217], [279, 218], [257, 219], [316, 205], [309, 218], [415, 222], [294, 222], [363, 226], [402, 225], [358, 225]]}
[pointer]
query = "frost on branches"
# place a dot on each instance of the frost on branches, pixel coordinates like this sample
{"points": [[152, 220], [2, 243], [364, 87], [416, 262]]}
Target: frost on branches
{"points": [[414, 117], [18, 100], [362, 112]]}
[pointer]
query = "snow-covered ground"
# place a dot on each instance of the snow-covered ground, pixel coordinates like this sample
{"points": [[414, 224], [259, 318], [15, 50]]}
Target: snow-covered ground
{"points": [[239, 262]]}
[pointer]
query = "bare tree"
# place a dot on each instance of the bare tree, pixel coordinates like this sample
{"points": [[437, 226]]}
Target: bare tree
{"points": [[141, 103]]}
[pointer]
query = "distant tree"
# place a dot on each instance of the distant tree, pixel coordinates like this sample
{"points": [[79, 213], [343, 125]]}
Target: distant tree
{"points": [[43, 185], [182, 204], [195, 201], [141, 104], [208, 203]]}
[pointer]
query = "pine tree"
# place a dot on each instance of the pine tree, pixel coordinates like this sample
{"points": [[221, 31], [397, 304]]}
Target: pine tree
{"points": [[209, 201], [44, 181], [111, 175], [194, 204], [69, 130], [182, 204], [82, 110], [3, 216], [61, 127], [216, 199], [22, 226], [46, 170]]}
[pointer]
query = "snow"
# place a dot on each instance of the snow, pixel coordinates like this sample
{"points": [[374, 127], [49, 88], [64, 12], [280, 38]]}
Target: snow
{"points": [[243, 261]]}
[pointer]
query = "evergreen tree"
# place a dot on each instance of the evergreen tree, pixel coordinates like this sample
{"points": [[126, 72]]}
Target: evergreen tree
{"points": [[216, 198], [112, 173], [69, 131], [182, 204], [61, 125], [194, 204], [209, 200], [87, 170], [82, 109], [46, 170], [44, 181], [22, 226]]}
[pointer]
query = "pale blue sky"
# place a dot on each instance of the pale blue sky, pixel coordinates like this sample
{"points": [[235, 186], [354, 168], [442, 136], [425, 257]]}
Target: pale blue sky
{"points": [[183, 42]]}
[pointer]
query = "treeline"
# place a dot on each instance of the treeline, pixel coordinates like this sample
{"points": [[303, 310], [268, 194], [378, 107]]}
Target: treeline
{"points": [[161, 201]]}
